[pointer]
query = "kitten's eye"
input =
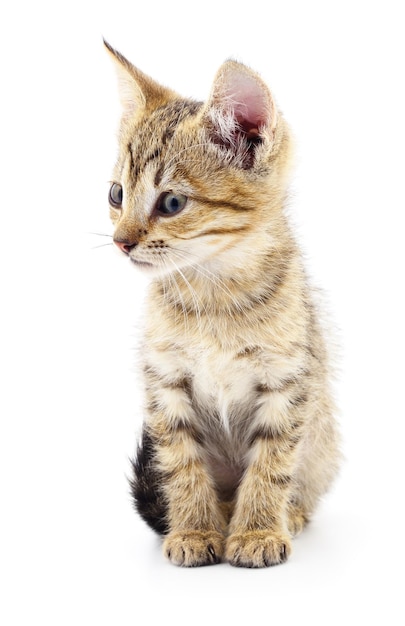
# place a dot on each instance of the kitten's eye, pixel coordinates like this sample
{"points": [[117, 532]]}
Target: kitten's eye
{"points": [[171, 203], [115, 195]]}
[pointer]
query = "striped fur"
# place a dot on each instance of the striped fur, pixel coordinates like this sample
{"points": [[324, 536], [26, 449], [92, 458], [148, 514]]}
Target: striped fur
{"points": [[239, 436]]}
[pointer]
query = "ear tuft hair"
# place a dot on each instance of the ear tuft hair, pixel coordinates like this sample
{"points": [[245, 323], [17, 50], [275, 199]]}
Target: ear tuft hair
{"points": [[241, 111]]}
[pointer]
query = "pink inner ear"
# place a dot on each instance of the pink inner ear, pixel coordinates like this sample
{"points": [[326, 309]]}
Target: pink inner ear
{"points": [[248, 101]]}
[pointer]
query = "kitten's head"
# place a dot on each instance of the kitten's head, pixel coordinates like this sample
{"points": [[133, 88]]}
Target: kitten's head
{"points": [[198, 184]]}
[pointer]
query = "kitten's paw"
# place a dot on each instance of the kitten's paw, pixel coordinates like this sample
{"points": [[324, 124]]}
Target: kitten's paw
{"points": [[297, 520], [193, 548], [259, 548]]}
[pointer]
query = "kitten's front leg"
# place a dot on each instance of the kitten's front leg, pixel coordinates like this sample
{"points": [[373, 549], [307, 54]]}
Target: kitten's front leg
{"points": [[259, 534], [196, 525], [194, 520]]}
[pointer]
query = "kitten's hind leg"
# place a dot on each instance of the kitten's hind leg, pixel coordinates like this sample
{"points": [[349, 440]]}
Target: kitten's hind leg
{"points": [[297, 518]]}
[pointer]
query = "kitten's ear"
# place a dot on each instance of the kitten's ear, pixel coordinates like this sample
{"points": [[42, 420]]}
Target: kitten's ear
{"points": [[240, 109], [137, 91]]}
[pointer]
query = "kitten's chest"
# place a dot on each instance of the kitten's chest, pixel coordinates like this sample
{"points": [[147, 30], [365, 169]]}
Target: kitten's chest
{"points": [[222, 383]]}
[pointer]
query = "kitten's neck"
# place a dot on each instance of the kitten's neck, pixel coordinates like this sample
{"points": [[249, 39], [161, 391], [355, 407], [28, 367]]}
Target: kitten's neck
{"points": [[234, 290]]}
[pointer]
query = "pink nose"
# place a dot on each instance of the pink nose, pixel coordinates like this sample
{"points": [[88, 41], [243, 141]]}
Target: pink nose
{"points": [[125, 246]]}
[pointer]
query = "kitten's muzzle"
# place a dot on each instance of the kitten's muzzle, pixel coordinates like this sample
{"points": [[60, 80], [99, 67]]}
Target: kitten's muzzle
{"points": [[125, 246]]}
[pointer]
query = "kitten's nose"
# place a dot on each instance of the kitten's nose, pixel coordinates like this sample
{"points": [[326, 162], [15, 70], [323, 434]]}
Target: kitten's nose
{"points": [[125, 246]]}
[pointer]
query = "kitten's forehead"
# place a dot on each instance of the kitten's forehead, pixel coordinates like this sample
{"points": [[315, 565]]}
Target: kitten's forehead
{"points": [[151, 139], [173, 113]]}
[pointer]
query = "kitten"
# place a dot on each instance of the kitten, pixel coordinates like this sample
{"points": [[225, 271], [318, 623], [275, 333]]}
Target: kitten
{"points": [[239, 440]]}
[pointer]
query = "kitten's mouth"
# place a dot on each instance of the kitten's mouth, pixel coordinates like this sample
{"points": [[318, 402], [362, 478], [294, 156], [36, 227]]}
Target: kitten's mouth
{"points": [[144, 264]]}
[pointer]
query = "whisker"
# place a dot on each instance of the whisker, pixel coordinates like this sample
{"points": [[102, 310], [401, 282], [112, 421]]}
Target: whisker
{"points": [[172, 280], [193, 294], [98, 234], [197, 302], [214, 279], [102, 245]]}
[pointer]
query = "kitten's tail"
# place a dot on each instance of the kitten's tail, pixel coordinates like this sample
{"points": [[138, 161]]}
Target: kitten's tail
{"points": [[146, 486]]}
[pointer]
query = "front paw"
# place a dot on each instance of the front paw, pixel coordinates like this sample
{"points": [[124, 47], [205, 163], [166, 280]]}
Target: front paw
{"points": [[193, 548], [258, 548]]}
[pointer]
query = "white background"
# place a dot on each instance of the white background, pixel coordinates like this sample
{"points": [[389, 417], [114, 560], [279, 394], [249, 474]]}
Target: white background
{"points": [[72, 551]]}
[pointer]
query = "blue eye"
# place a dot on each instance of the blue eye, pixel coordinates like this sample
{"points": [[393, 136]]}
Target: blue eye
{"points": [[171, 203], [115, 195]]}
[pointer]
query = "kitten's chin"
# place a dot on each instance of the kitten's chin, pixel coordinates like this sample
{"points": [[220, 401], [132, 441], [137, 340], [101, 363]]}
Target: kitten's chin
{"points": [[149, 268], [157, 269], [142, 264]]}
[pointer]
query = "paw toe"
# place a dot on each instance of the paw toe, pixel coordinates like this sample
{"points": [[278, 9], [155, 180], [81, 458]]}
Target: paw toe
{"points": [[193, 548], [257, 549]]}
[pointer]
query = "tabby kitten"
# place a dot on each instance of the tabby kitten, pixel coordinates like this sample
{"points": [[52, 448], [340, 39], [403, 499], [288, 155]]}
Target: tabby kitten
{"points": [[239, 440]]}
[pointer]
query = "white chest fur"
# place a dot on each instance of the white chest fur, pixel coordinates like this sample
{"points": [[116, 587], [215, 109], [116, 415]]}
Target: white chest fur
{"points": [[224, 383]]}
